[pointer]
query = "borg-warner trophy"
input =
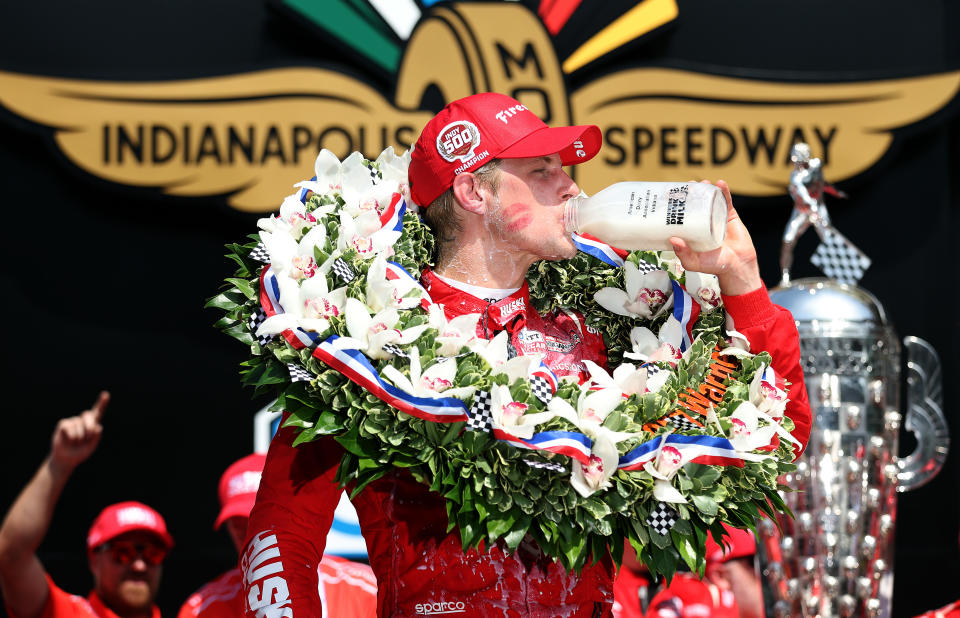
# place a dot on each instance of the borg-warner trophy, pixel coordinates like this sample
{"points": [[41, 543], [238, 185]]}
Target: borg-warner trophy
{"points": [[836, 557]]}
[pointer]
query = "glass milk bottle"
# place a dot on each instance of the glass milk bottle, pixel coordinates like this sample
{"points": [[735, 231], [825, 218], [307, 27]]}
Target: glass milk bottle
{"points": [[644, 215]]}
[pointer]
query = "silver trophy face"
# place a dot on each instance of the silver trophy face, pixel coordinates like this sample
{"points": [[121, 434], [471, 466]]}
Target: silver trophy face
{"points": [[835, 558]]}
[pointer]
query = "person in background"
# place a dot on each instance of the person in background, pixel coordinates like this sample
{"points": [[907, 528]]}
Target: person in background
{"points": [[632, 586], [730, 588], [126, 545], [348, 589]]}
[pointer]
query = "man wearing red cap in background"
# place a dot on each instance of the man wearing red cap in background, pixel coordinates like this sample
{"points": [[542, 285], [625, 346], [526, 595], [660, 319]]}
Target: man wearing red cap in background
{"points": [[489, 175], [731, 586], [349, 589], [126, 545]]}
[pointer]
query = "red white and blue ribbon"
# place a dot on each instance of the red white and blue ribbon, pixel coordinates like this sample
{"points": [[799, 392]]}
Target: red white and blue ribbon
{"points": [[709, 450], [396, 272], [355, 366], [600, 250], [392, 217], [685, 310], [542, 371], [304, 192], [270, 301], [574, 445]]}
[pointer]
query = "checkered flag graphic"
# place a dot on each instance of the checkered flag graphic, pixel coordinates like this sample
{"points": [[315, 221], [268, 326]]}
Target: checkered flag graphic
{"points": [[662, 518], [541, 388], [684, 423], [646, 267], [839, 258], [546, 465], [481, 416], [342, 270], [298, 374], [389, 348], [260, 253], [255, 321], [652, 369]]}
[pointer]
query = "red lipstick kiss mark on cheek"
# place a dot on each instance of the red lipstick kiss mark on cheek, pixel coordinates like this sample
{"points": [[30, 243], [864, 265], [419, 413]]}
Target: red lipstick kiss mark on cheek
{"points": [[517, 216]]}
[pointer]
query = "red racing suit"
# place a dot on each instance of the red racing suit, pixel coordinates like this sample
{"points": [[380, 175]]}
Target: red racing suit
{"points": [[421, 568]]}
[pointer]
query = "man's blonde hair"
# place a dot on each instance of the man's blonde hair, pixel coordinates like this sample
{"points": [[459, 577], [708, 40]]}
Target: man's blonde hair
{"points": [[443, 217]]}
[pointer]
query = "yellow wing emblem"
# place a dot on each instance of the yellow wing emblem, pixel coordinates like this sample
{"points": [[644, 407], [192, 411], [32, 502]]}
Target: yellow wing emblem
{"points": [[663, 124], [249, 136]]}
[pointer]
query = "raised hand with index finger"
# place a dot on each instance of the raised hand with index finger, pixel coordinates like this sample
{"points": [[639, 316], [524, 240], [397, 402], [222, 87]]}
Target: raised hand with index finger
{"points": [[76, 438]]}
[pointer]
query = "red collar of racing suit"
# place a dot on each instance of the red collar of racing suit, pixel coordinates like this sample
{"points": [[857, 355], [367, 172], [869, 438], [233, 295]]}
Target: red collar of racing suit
{"points": [[508, 314]]}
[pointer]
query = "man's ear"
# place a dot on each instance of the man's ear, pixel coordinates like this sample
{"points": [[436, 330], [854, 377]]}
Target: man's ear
{"points": [[469, 193]]}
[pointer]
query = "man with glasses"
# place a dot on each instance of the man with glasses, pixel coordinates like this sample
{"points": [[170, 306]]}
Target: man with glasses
{"points": [[126, 545]]}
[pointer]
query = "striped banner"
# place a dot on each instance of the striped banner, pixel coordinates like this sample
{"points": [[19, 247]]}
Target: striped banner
{"points": [[709, 450], [574, 445], [392, 217], [600, 250], [355, 366], [685, 310]]}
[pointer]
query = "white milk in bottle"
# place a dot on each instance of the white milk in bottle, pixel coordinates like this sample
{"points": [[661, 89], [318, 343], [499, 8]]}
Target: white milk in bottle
{"points": [[644, 215]]}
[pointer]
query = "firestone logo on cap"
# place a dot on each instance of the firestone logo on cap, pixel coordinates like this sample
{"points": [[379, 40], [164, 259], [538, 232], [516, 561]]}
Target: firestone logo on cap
{"points": [[458, 140], [245, 483], [134, 515]]}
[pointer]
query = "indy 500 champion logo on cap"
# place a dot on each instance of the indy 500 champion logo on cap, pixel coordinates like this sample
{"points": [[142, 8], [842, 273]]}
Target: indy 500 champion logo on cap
{"points": [[458, 140]]}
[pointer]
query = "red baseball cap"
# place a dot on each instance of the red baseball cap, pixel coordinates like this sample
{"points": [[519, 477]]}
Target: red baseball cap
{"points": [[472, 131], [238, 487], [125, 517], [739, 543]]}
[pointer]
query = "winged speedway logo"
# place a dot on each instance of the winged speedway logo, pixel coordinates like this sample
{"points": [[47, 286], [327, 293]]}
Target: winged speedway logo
{"points": [[250, 136]]}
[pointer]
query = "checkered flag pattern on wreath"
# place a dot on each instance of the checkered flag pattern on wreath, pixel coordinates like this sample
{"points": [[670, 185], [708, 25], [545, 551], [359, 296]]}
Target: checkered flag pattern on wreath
{"points": [[546, 465], [260, 253], [541, 389], [662, 518], [342, 270], [256, 320], [389, 348], [646, 267], [652, 369], [683, 423], [481, 415], [298, 374], [839, 258]]}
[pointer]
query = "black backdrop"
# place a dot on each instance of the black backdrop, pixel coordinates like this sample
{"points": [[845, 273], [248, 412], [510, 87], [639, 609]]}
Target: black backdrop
{"points": [[103, 286]]}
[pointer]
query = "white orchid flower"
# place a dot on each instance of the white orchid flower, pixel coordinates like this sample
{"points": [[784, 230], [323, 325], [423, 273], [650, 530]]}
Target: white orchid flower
{"points": [[645, 296], [370, 333], [352, 180], [705, 289], [436, 381], [593, 407], [748, 434], [595, 475], [511, 416], [663, 347], [356, 180], [671, 263], [663, 468], [293, 218], [766, 394], [496, 354], [454, 334], [308, 306], [382, 292], [630, 379], [364, 234], [329, 172], [394, 168]]}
